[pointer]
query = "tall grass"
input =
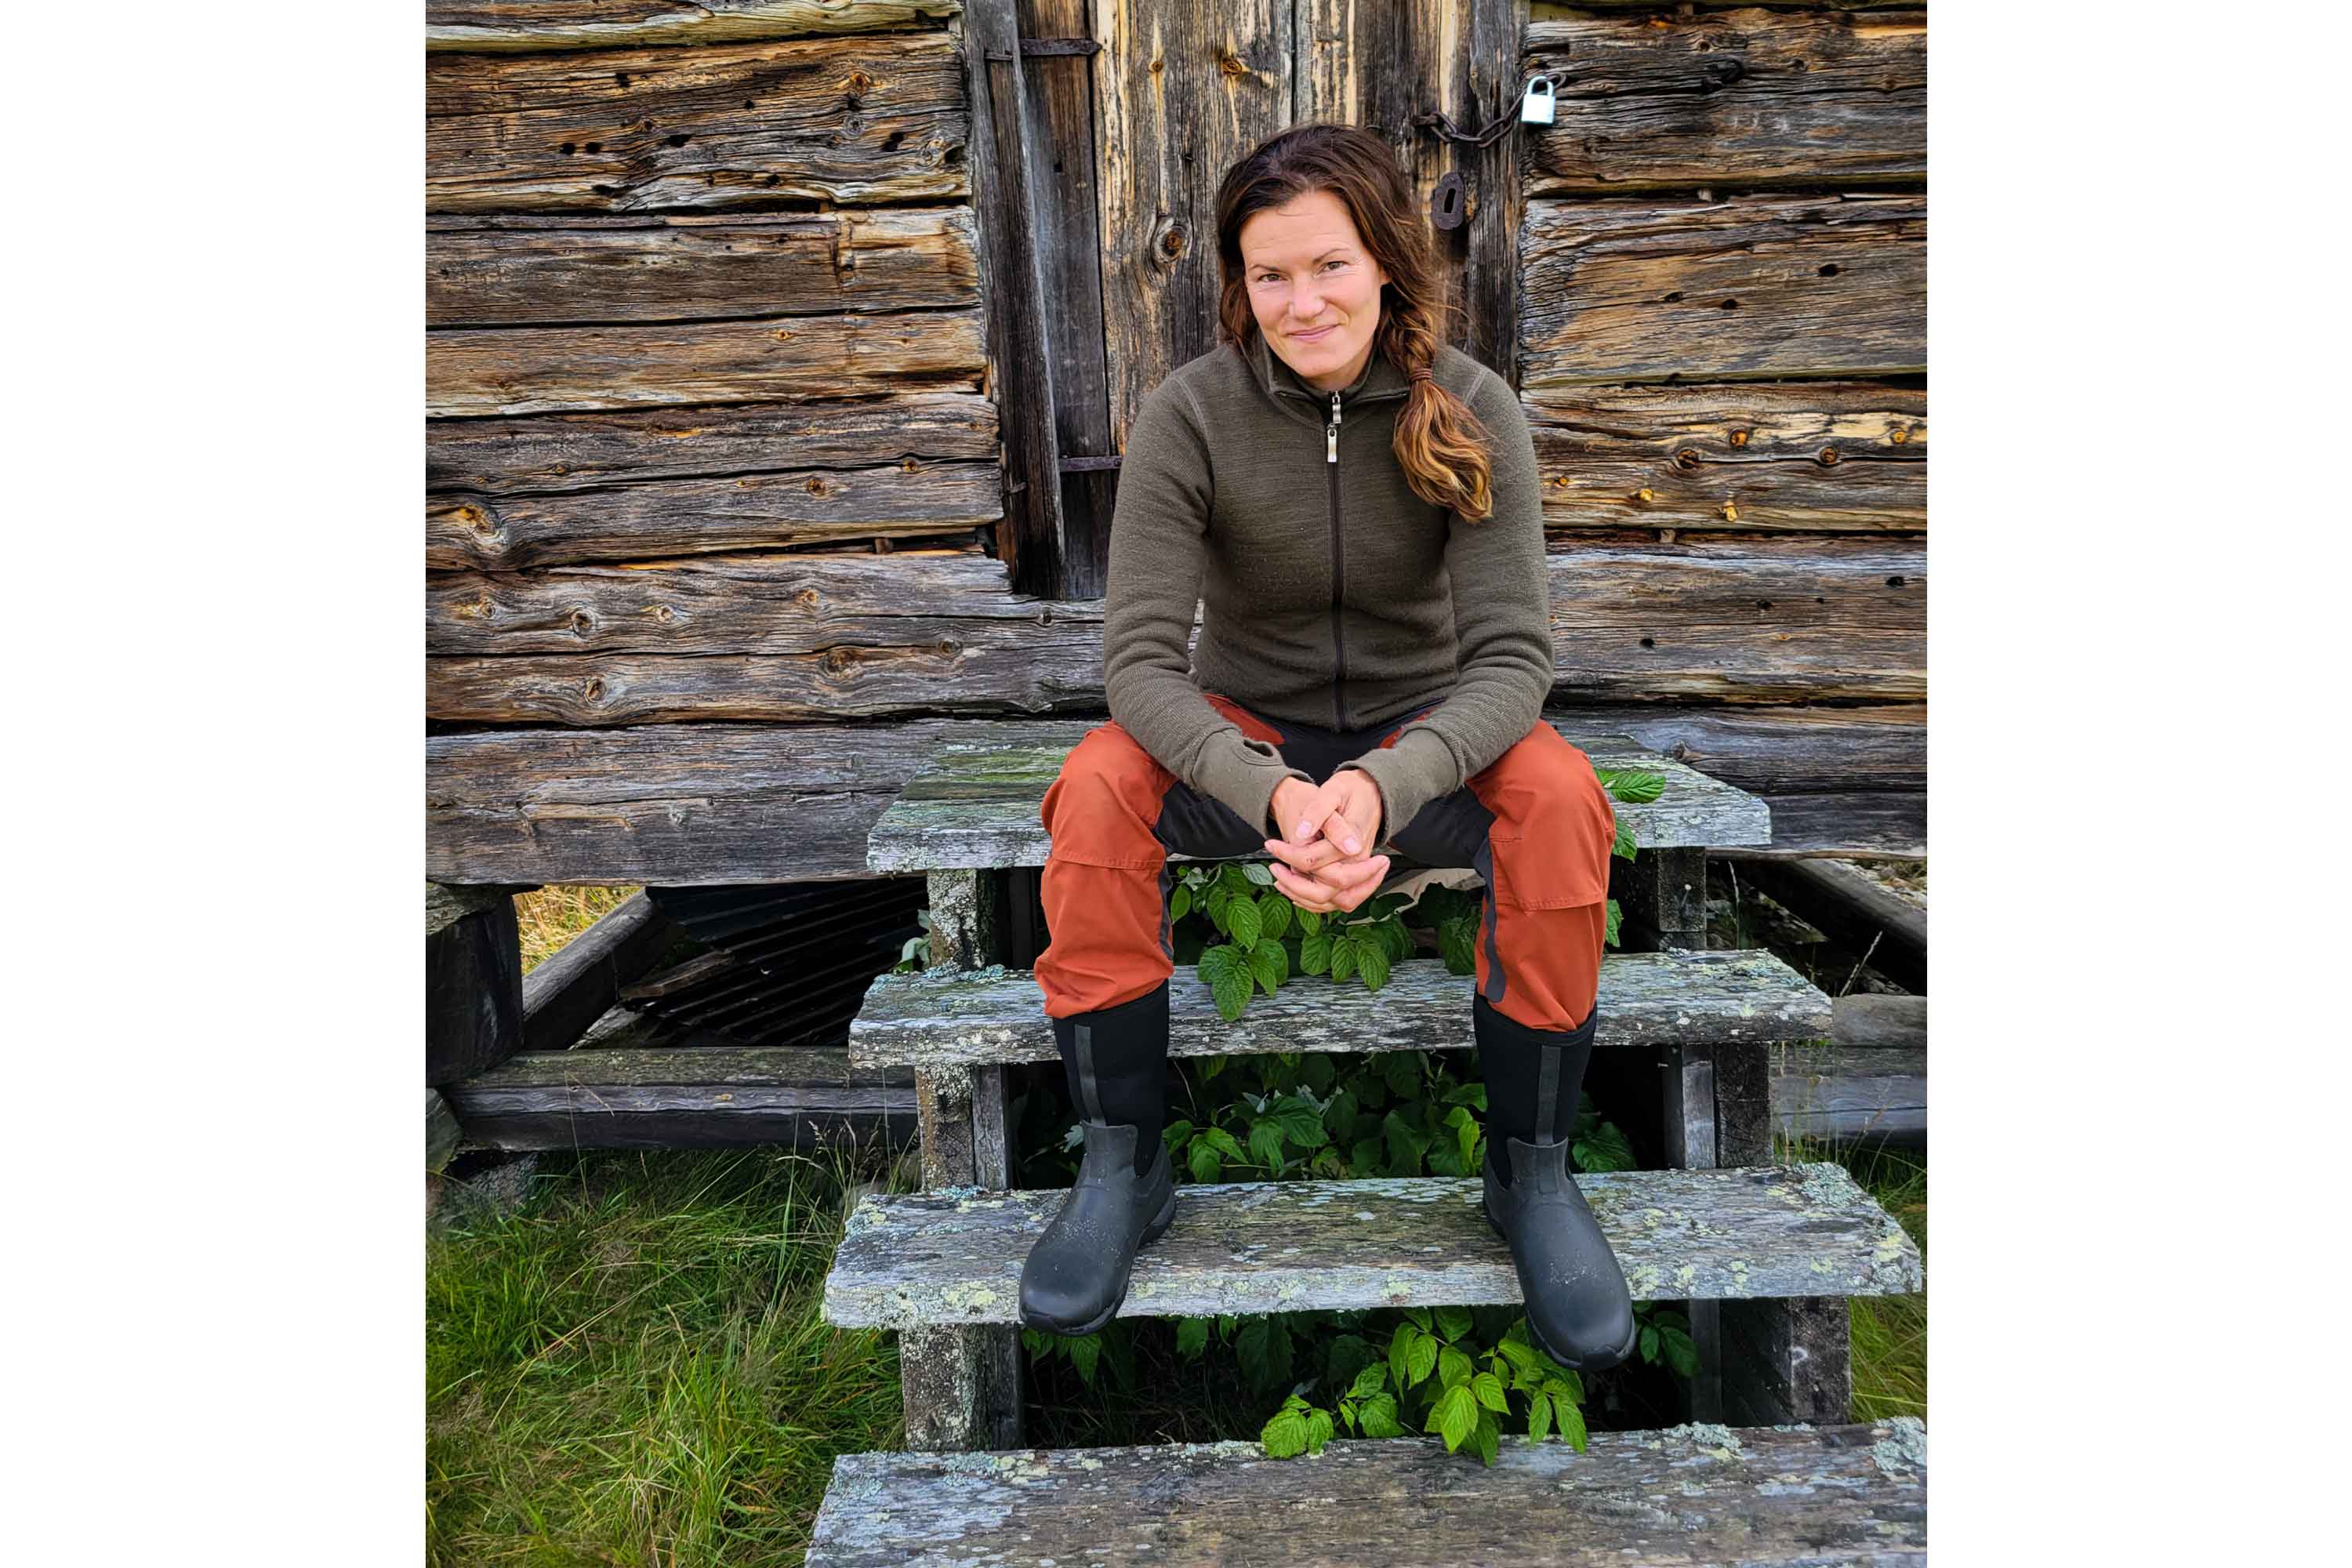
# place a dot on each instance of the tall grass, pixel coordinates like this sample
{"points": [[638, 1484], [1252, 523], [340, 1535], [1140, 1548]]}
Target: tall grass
{"points": [[632, 1369]]}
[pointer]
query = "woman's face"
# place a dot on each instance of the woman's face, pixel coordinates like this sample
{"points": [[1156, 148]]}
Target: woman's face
{"points": [[1315, 291]]}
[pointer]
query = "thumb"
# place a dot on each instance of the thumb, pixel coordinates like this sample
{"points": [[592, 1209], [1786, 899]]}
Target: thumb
{"points": [[1310, 814]]}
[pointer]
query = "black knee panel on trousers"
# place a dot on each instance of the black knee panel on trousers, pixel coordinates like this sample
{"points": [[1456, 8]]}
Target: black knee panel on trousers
{"points": [[1116, 1063], [1533, 1077]]}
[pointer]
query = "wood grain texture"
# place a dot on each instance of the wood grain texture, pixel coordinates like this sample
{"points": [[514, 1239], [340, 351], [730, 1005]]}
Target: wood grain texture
{"points": [[1775, 751], [1842, 1092], [517, 24], [531, 271], [537, 369], [946, 1018], [1691, 1494], [1753, 288], [875, 117], [1181, 90], [1785, 619], [907, 499], [692, 804], [568, 452], [473, 983], [955, 1255], [1886, 826], [1747, 97], [1830, 456], [574, 987], [974, 807]]}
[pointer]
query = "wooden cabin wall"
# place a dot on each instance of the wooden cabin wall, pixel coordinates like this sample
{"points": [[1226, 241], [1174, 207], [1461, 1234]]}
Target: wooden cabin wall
{"points": [[716, 533], [1723, 357]]}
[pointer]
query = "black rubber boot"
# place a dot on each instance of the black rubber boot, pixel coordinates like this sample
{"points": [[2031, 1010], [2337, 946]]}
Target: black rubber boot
{"points": [[1579, 1311], [1076, 1274]]}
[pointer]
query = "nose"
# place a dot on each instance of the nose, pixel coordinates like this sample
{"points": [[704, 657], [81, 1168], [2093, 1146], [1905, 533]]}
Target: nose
{"points": [[1306, 309]]}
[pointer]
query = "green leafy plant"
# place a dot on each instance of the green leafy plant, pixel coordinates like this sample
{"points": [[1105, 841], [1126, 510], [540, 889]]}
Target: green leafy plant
{"points": [[1258, 939], [1666, 1334], [917, 954]]}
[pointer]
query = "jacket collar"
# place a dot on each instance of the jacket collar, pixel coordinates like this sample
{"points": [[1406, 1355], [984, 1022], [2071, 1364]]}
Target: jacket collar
{"points": [[1377, 380]]}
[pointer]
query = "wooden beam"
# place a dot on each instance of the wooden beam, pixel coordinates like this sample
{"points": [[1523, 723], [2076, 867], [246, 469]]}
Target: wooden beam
{"points": [[1747, 456], [1854, 911], [551, 453], [536, 370], [516, 270], [472, 981], [1758, 288], [1748, 99], [570, 990], [519, 25], [877, 118]]}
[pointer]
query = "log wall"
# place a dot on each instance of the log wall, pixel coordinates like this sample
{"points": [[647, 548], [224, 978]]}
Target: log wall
{"points": [[716, 477]]}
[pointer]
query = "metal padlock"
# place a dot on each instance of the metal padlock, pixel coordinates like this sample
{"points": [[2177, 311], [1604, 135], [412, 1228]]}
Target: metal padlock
{"points": [[1537, 107]]}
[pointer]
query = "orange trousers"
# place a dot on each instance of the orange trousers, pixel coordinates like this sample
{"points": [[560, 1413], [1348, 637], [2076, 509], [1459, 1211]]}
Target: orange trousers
{"points": [[1536, 825]]}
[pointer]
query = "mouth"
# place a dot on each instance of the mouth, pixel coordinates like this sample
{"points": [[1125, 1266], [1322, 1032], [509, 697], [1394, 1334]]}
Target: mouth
{"points": [[1317, 335]]}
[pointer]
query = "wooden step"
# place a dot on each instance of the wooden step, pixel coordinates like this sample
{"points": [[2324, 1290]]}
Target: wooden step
{"points": [[955, 1255], [1688, 1495], [977, 806], [946, 1018]]}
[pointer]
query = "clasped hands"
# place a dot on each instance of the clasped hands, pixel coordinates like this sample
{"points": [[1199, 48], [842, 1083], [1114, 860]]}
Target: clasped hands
{"points": [[1321, 862]]}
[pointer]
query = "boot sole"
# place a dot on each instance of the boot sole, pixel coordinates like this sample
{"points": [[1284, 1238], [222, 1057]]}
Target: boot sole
{"points": [[1593, 1363], [1151, 1232]]}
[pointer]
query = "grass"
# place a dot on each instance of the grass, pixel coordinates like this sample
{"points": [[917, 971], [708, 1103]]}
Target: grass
{"points": [[550, 916], [630, 1368]]}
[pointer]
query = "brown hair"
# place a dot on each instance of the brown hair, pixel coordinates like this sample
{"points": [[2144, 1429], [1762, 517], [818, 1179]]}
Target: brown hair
{"points": [[1439, 442]]}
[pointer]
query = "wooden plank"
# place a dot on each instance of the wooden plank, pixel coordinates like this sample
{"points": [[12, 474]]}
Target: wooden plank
{"points": [[643, 1084], [473, 982], [982, 806], [1866, 1022], [1749, 98], [570, 990], [1883, 825], [517, 24], [937, 1020], [1833, 457], [746, 511], [1188, 89], [1691, 1494], [527, 270], [954, 1255], [1799, 619], [879, 117], [1787, 1361], [1853, 911], [1064, 205], [556, 452], [1754, 288], [1021, 369], [441, 1130], [533, 370], [1842, 1092], [1775, 751], [693, 805]]}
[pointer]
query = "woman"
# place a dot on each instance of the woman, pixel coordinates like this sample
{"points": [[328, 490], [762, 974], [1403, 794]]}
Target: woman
{"points": [[1376, 651]]}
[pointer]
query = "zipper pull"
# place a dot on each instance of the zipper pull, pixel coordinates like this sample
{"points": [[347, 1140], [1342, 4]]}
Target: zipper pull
{"points": [[1331, 433]]}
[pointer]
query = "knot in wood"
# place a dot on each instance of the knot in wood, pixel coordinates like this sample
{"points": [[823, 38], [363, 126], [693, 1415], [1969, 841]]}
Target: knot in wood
{"points": [[1739, 437], [1233, 65], [807, 598], [1171, 244], [595, 690], [1899, 435], [1687, 458], [1829, 456], [836, 660], [583, 623]]}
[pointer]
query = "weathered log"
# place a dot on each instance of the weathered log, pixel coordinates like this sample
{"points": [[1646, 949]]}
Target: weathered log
{"points": [[1868, 1021], [945, 1019], [570, 990], [1756, 288], [875, 118], [524, 271], [1854, 911], [750, 511], [472, 981], [1199, 86], [557, 452], [1842, 1092], [985, 808], [1777, 619], [1890, 825], [692, 804], [1691, 1494], [516, 24], [643, 1086], [533, 370], [1775, 751], [1829, 458], [441, 1130], [955, 1255], [1748, 97]]}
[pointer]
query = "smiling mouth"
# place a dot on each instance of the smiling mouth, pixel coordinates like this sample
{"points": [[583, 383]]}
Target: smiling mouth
{"points": [[1317, 333]]}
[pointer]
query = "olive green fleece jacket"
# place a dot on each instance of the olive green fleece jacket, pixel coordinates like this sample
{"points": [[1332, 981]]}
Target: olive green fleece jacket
{"points": [[1332, 595]]}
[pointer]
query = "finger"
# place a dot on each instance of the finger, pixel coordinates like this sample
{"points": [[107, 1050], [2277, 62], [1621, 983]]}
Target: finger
{"points": [[1303, 891], [1309, 858], [1350, 898], [1358, 877], [1336, 827]]}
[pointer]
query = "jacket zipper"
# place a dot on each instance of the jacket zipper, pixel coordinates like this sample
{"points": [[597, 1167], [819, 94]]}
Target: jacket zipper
{"points": [[1339, 568]]}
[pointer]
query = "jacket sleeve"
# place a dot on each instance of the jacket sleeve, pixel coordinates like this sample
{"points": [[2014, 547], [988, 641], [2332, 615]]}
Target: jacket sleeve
{"points": [[1157, 545], [1502, 623]]}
